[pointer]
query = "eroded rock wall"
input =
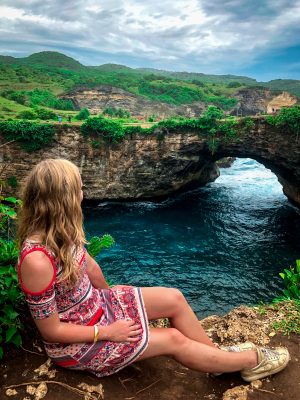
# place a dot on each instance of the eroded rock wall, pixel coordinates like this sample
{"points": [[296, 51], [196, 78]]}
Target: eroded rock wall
{"points": [[141, 167], [103, 96], [147, 167]]}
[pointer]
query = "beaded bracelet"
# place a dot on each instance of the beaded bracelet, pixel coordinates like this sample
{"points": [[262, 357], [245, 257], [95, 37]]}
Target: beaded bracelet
{"points": [[96, 333]]}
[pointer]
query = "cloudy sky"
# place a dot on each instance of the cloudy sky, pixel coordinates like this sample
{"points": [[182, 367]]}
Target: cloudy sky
{"points": [[257, 38]]}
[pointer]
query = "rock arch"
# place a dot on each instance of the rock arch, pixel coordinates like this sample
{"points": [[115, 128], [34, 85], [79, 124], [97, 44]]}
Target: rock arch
{"points": [[148, 167]]}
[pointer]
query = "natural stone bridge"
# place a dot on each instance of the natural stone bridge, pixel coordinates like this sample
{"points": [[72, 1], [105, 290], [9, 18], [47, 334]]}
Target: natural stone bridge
{"points": [[146, 167]]}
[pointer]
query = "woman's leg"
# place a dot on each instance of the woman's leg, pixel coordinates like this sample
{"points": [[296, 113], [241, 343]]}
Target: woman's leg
{"points": [[195, 355], [161, 302]]}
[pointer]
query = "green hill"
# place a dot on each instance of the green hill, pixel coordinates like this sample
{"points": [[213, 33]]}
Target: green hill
{"points": [[189, 76], [45, 58], [38, 79]]}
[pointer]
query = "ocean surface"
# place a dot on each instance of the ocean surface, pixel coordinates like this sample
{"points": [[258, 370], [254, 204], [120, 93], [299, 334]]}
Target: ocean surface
{"points": [[222, 245]]}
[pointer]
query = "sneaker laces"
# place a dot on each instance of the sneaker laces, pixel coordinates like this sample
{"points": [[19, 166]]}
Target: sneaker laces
{"points": [[269, 354]]}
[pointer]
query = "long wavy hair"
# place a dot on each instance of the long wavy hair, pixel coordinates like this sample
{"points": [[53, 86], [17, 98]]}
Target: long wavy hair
{"points": [[52, 211]]}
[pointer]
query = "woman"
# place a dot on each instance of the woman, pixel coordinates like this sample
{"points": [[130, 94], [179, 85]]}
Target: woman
{"points": [[85, 324]]}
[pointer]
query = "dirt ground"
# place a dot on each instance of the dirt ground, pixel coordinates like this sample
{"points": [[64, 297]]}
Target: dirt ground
{"points": [[162, 377]]}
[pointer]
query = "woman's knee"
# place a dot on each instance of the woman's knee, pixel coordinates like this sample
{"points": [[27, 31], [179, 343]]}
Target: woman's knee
{"points": [[178, 298], [176, 338]]}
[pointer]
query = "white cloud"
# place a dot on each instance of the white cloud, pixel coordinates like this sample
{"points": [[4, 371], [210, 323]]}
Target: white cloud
{"points": [[221, 35]]}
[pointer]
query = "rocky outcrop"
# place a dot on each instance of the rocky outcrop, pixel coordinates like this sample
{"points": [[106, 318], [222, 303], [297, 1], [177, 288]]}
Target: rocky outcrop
{"points": [[253, 101], [284, 99], [152, 166], [250, 102], [100, 97]]}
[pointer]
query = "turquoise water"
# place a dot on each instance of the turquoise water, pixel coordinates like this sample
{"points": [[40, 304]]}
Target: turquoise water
{"points": [[222, 245]]}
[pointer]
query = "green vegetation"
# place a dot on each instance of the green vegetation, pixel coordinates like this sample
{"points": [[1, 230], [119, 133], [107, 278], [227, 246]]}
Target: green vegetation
{"points": [[116, 112], [104, 128], [212, 124], [290, 323], [31, 135], [288, 304], [43, 79], [291, 280], [97, 244], [288, 118], [83, 114], [37, 97], [10, 294]]}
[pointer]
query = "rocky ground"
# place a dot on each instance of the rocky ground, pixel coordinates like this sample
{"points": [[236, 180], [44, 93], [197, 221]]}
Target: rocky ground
{"points": [[26, 374]]}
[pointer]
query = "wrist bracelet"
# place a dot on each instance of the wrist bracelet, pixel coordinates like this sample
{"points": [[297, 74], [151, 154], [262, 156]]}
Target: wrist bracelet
{"points": [[96, 333]]}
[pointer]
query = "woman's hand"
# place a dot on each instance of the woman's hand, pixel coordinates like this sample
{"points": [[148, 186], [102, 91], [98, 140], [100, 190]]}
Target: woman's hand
{"points": [[123, 330]]}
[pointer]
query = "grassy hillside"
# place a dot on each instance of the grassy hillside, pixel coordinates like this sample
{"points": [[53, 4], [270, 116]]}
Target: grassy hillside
{"points": [[37, 80]]}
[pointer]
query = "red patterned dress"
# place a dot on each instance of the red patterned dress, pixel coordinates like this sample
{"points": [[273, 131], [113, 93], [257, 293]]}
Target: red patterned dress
{"points": [[83, 304]]}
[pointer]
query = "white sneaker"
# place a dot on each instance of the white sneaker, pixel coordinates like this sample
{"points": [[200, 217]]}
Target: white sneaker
{"points": [[269, 362]]}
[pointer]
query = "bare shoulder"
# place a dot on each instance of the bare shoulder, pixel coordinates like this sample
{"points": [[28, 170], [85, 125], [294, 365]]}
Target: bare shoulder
{"points": [[36, 271]]}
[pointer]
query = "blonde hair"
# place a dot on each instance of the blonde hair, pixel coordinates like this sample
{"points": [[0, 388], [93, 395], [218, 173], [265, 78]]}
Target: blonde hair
{"points": [[52, 210]]}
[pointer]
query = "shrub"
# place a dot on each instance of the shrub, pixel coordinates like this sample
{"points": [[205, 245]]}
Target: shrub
{"points": [[31, 135], [248, 124], [27, 114], [116, 112], [287, 117], [234, 84], [83, 114], [103, 128], [44, 114]]}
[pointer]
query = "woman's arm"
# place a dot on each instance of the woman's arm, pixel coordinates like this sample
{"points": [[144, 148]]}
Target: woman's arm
{"points": [[36, 273], [54, 331], [95, 273]]}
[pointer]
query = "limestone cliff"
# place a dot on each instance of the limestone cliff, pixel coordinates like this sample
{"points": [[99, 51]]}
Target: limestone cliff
{"points": [[250, 102], [100, 97], [253, 101], [147, 166]]}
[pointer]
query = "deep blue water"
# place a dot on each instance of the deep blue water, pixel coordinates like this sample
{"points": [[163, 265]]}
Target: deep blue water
{"points": [[222, 245]]}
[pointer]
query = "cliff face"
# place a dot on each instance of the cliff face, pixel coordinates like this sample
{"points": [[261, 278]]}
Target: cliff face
{"points": [[257, 101], [97, 99], [250, 102], [141, 167], [145, 167]]}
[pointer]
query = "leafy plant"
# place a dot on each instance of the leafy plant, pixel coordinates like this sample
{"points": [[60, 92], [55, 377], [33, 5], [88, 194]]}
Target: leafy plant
{"points": [[8, 207], [10, 294], [10, 298], [97, 244], [291, 280]]}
